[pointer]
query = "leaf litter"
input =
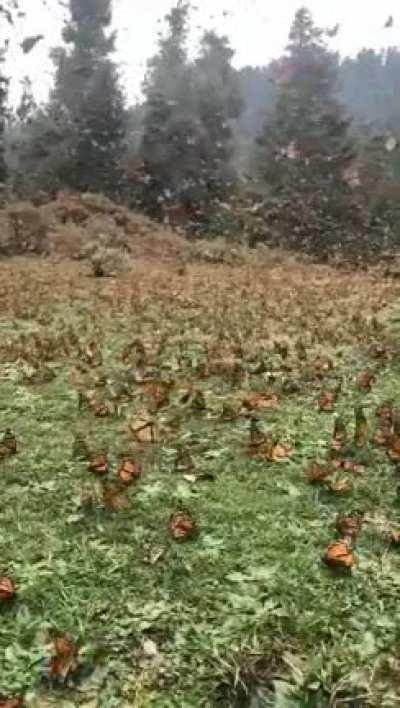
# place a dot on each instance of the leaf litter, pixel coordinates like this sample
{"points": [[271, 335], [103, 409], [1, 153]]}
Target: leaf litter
{"points": [[247, 519]]}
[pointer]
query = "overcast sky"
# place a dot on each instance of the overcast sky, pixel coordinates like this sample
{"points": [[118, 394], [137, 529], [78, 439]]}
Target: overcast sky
{"points": [[257, 29]]}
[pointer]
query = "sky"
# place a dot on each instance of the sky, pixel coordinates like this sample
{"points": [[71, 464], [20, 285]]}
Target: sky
{"points": [[257, 29]]}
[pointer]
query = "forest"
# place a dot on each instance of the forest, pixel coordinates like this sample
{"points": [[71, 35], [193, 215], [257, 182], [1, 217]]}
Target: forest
{"points": [[200, 374], [213, 149]]}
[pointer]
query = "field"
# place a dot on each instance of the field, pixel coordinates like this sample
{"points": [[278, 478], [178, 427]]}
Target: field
{"points": [[163, 526]]}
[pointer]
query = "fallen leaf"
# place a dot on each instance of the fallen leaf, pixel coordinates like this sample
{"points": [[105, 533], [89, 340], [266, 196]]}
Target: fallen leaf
{"points": [[101, 410], [114, 497], [256, 401], [347, 466], [159, 395], [182, 526], [339, 436], [339, 555], [394, 450], [322, 365], [64, 662], [92, 354], [98, 464], [342, 486], [281, 452], [383, 436], [144, 430], [378, 351], [327, 401], [11, 702], [129, 471], [349, 526], [8, 591], [315, 472], [395, 538], [366, 380], [385, 412]]}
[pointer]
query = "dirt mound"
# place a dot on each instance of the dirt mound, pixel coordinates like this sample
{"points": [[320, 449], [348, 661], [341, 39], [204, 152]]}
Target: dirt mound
{"points": [[75, 220]]}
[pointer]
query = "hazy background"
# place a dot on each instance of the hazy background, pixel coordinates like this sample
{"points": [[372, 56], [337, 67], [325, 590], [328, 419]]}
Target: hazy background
{"points": [[257, 30]]}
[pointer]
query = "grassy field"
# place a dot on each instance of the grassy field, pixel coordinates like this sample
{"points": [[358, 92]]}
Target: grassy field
{"points": [[212, 379]]}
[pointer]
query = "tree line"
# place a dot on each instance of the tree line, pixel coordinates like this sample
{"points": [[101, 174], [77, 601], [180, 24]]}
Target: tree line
{"points": [[302, 151]]}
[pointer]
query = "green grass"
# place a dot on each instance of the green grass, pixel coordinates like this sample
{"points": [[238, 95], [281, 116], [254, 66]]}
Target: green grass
{"points": [[246, 613]]}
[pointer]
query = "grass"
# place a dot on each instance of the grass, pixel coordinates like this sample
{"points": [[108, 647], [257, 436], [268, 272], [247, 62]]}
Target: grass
{"points": [[245, 614]]}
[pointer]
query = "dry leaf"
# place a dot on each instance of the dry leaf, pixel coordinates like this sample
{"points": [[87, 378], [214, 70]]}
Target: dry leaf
{"points": [[101, 410], [342, 486], [144, 430], [339, 555], [129, 471], [339, 436], [349, 526], [347, 466], [395, 538], [322, 365], [182, 526], [327, 401], [8, 591], [98, 464], [257, 401], [385, 412], [316, 472], [11, 702], [64, 662], [378, 351], [159, 394], [92, 354], [383, 436], [114, 497], [366, 380], [281, 452], [394, 450]]}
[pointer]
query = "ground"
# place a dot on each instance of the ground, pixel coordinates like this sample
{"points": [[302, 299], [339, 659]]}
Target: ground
{"points": [[160, 366]]}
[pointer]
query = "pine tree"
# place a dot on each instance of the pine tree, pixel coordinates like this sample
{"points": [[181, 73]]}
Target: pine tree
{"points": [[219, 104], [172, 141], [3, 118], [88, 98], [305, 141]]}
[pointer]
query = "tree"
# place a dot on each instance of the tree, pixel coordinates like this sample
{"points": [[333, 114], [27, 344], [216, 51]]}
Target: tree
{"points": [[3, 117], [219, 104], [305, 141], [305, 149], [88, 99], [172, 132]]}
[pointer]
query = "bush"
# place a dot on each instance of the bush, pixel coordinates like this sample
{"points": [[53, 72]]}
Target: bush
{"points": [[22, 230], [107, 262]]}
